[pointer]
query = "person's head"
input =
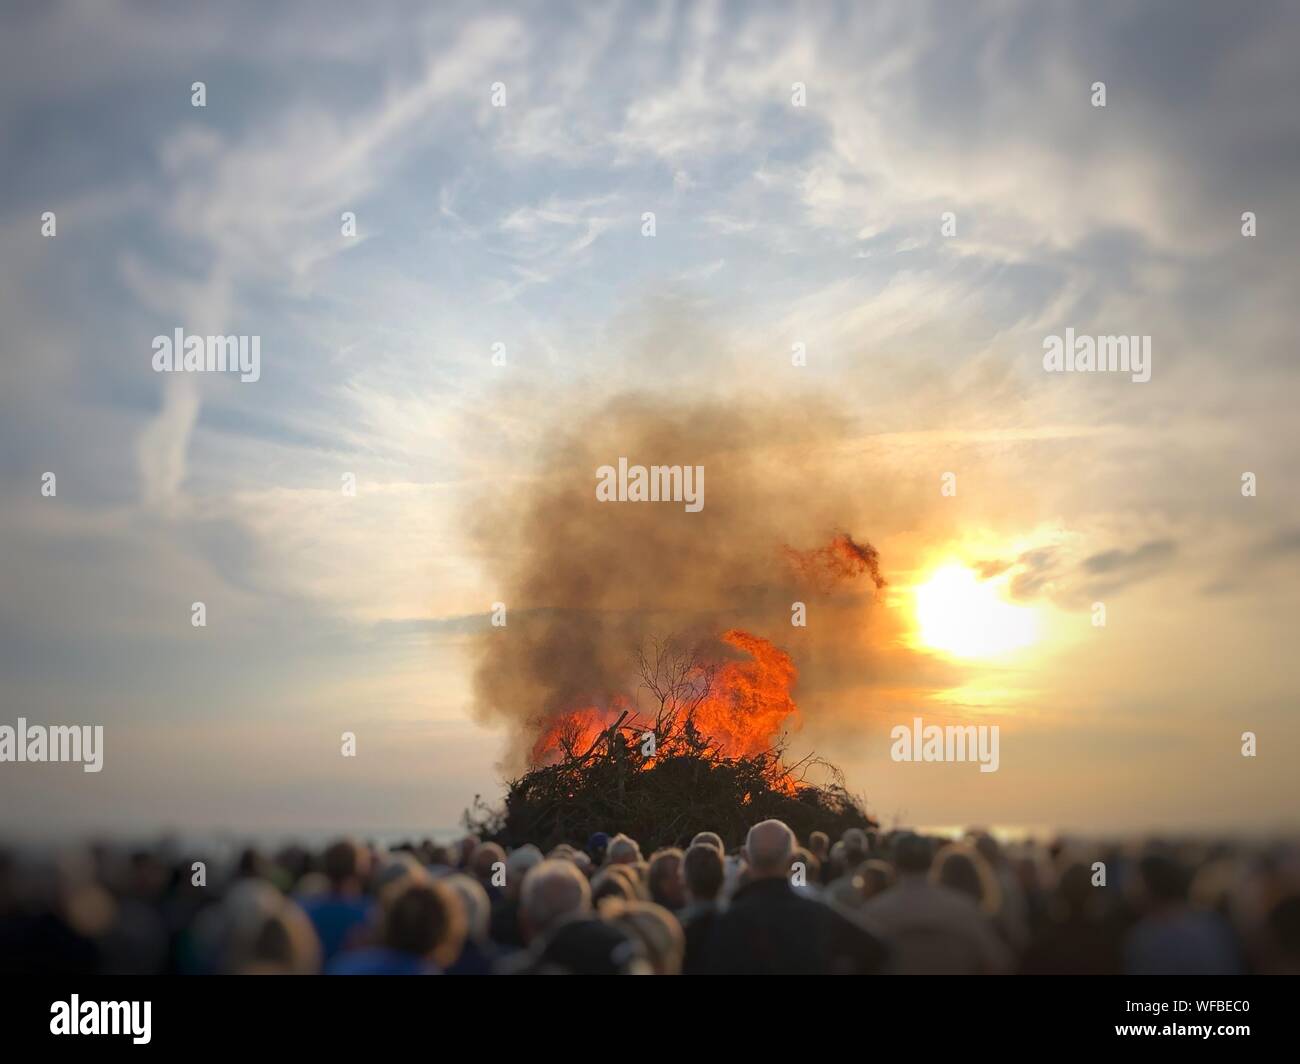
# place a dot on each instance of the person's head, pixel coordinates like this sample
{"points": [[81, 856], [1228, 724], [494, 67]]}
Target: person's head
{"points": [[655, 928], [664, 879], [438, 856], [987, 847], [425, 919], [597, 844], [1074, 889], [710, 838], [820, 844], [836, 867], [768, 849], [485, 860], [252, 864], [392, 870], [632, 876], [1164, 880], [346, 864], [553, 893], [912, 854], [474, 901], [517, 866], [465, 848], [875, 876], [623, 850], [965, 871], [855, 848], [702, 869], [592, 946], [285, 944], [607, 883], [263, 932]]}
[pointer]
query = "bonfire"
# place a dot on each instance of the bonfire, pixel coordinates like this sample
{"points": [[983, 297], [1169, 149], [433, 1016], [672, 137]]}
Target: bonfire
{"points": [[708, 755]]}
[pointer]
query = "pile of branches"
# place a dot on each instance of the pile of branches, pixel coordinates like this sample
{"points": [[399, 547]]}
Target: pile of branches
{"points": [[663, 791]]}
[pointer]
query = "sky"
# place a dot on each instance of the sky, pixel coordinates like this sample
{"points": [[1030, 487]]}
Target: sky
{"points": [[944, 196]]}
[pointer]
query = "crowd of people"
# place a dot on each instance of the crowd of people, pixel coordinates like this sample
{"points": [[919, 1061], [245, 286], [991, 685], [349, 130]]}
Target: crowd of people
{"points": [[868, 903]]}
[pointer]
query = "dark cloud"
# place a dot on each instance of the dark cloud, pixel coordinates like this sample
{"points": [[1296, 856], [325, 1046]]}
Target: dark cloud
{"points": [[1143, 557], [1049, 572]]}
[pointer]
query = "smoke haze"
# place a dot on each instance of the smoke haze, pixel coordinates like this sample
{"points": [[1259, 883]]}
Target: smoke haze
{"points": [[585, 582]]}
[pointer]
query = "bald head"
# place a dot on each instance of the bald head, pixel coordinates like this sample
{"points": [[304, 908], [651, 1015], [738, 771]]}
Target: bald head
{"points": [[769, 847]]}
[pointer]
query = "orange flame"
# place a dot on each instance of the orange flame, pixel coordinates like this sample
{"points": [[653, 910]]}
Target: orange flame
{"points": [[747, 705], [741, 705], [749, 701], [575, 731]]}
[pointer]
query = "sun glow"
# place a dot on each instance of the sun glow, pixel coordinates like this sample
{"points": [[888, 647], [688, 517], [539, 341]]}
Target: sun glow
{"points": [[962, 615]]}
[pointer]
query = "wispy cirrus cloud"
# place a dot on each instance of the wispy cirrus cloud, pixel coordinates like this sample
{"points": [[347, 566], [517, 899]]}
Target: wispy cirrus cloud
{"points": [[520, 225]]}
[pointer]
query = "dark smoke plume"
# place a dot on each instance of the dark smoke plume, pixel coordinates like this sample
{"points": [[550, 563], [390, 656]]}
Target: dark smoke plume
{"points": [[586, 582]]}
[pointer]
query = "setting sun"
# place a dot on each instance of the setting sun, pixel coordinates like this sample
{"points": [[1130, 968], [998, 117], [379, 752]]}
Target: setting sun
{"points": [[962, 615]]}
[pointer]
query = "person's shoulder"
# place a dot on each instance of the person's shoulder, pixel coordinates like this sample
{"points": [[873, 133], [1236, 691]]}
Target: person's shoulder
{"points": [[763, 894], [854, 924], [699, 915], [886, 900]]}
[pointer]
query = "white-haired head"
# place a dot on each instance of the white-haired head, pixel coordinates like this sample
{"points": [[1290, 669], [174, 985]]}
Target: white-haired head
{"points": [[622, 850], [769, 847], [554, 891]]}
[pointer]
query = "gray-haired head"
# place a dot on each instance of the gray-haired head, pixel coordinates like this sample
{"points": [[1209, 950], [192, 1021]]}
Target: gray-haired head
{"points": [[622, 850], [553, 892], [518, 864]]}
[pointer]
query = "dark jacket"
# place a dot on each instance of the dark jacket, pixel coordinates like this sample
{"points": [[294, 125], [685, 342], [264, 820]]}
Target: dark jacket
{"points": [[769, 929], [584, 946], [697, 924]]}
